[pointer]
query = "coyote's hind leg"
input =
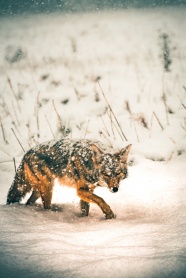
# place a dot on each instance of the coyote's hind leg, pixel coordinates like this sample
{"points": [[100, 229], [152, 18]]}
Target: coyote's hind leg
{"points": [[46, 196], [84, 207], [34, 196]]}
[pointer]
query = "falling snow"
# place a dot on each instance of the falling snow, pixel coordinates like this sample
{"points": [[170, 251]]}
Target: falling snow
{"points": [[51, 89]]}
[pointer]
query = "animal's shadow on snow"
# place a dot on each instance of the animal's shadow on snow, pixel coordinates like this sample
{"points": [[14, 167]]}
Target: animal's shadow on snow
{"points": [[71, 213], [68, 212]]}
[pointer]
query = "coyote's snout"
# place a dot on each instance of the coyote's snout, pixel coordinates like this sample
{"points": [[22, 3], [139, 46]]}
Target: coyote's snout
{"points": [[83, 164]]}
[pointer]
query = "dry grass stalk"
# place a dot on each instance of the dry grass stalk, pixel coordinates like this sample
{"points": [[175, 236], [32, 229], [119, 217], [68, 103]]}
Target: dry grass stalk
{"points": [[102, 134], [164, 98], [29, 145], [14, 164], [49, 126], [105, 126], [29, 133], [14, 124], [7, 111], [158, 120], [58, 116], [17, 139], [111, 123], [143, 121], [35, 141], [136, 132], [15, 114], [3, 132], [166, 107], [173, 141], [97, 98], [13, 92], [128, 107], [115, 126], [12, 118], [37, 115], [78, 94], [150, 129], [2, 150], [181, 100], [183, 105], [117, 130], [86, 130], [182, 126], [112, 112], [5, 108]]}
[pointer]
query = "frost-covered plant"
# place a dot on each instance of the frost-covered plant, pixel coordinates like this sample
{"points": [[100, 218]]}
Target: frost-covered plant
{"points": [[167, 61]]}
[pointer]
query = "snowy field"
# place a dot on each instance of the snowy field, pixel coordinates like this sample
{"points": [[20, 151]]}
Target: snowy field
{"points": [[53, 70]]}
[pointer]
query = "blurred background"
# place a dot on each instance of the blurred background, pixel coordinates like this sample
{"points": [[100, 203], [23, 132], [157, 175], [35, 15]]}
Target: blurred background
{"points": [[12, 7]]}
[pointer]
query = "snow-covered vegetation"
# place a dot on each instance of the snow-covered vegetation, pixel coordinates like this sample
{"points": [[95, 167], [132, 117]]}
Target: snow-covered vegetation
{"points": [[102, 76]]}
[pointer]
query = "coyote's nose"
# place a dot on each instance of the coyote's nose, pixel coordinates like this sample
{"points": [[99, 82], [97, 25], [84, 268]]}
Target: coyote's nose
{"points": [[114, 189]]}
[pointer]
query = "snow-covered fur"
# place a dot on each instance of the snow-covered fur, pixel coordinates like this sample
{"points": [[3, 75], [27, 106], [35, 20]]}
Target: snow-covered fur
{"points": [[80, 163]]}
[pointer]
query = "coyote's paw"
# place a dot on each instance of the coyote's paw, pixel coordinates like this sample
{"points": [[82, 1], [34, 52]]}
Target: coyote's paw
{"points": [[110, 215]]}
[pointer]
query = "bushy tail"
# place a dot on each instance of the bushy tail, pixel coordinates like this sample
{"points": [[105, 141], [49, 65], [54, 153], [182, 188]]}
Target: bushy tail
{"points": [[19, 188]]}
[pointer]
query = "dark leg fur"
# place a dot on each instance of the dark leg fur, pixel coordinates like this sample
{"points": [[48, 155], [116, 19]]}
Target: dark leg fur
{"points": [[19, 188], [12, 198], [34, 196], [46, 197], [84, 207]]}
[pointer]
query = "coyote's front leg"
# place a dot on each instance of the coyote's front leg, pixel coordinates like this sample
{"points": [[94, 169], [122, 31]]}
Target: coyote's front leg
{"points": [[84, 207], [88, 196]]}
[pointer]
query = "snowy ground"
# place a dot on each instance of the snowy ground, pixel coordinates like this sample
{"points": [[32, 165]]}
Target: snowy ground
{"points": [[49, 67]]}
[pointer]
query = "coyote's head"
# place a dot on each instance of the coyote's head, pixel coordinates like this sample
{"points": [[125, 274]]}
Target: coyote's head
{"points": [[112, 167]]}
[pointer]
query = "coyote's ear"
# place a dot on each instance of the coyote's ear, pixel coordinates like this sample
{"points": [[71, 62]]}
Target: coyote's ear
{"points": [[97, 153], [123, 153]]}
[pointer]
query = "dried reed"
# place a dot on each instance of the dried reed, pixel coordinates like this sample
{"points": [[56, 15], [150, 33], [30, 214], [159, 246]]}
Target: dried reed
{"points": [[13, 92], [3, 132], [49, 126], [17, 139], [157, 120], [112, 112]]}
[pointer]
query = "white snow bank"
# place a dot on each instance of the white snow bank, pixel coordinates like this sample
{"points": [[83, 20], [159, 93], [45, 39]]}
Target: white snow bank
{"points": [[146, 239]]}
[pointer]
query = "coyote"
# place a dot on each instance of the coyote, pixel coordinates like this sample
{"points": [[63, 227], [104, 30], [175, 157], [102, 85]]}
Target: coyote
{"points": [[84, 164]]}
